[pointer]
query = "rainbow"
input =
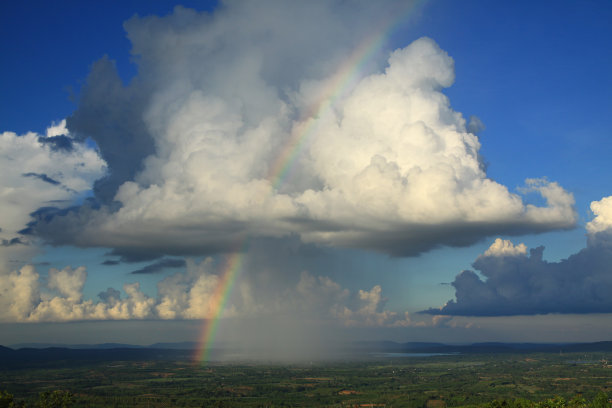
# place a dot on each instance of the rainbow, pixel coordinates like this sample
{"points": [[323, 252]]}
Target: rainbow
{"points": [[335, 88], [233, 266]]}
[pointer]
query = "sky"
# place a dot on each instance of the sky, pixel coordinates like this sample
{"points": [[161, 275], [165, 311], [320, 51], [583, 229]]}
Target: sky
{"points": [[274, 173]]}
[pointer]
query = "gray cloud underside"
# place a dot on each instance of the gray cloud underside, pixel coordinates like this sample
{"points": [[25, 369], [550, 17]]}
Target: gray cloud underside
{"points": [[147, 244], [58, 143], [195, 143], [11, 242]]}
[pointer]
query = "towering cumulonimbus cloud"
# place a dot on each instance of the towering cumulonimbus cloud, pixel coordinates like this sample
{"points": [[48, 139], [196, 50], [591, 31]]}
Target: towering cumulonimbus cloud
{"points": [[514, 282], [245, 122]]}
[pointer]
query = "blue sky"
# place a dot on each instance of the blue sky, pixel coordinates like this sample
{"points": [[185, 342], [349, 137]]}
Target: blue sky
{"points": [[535, 74]]}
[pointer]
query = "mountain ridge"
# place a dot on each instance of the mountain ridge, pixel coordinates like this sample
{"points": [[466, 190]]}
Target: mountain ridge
{"points": [[356, 346]]}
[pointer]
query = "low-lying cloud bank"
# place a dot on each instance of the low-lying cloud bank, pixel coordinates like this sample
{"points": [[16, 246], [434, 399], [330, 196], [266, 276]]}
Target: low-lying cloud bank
{"points": [[253, 127], [189, 294], [514, 282]]}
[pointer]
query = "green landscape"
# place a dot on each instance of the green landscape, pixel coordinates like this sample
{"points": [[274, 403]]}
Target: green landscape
{"points": [[470, 380]]}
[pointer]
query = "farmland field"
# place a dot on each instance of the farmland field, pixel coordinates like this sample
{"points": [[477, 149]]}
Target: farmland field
{"points": [[436, 381]]}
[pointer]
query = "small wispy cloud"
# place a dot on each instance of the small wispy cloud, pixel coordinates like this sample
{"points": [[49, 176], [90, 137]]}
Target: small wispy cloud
{"points": [[42, 177], [160, 266]]}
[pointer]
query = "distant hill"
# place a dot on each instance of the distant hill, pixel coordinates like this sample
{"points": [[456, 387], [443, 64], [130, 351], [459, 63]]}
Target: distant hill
{"points": [[184, 345], [391, 346], [71, 355], [5, 351], [62, 356], [75, 346], [490, 347], [363, 346]]}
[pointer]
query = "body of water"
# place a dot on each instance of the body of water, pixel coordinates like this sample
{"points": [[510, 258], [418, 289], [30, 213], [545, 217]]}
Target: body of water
{"points": [[395, 355]]}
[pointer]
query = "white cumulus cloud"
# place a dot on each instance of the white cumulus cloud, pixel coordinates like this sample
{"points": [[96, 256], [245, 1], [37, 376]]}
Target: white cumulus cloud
{"points": [[602, 210], [39, 171], [193, 293], [35, 174], [504, 247]]}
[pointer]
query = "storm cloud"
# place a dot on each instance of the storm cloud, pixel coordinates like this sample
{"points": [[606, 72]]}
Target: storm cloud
{"points": [[513, 282], [247, 122]]}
